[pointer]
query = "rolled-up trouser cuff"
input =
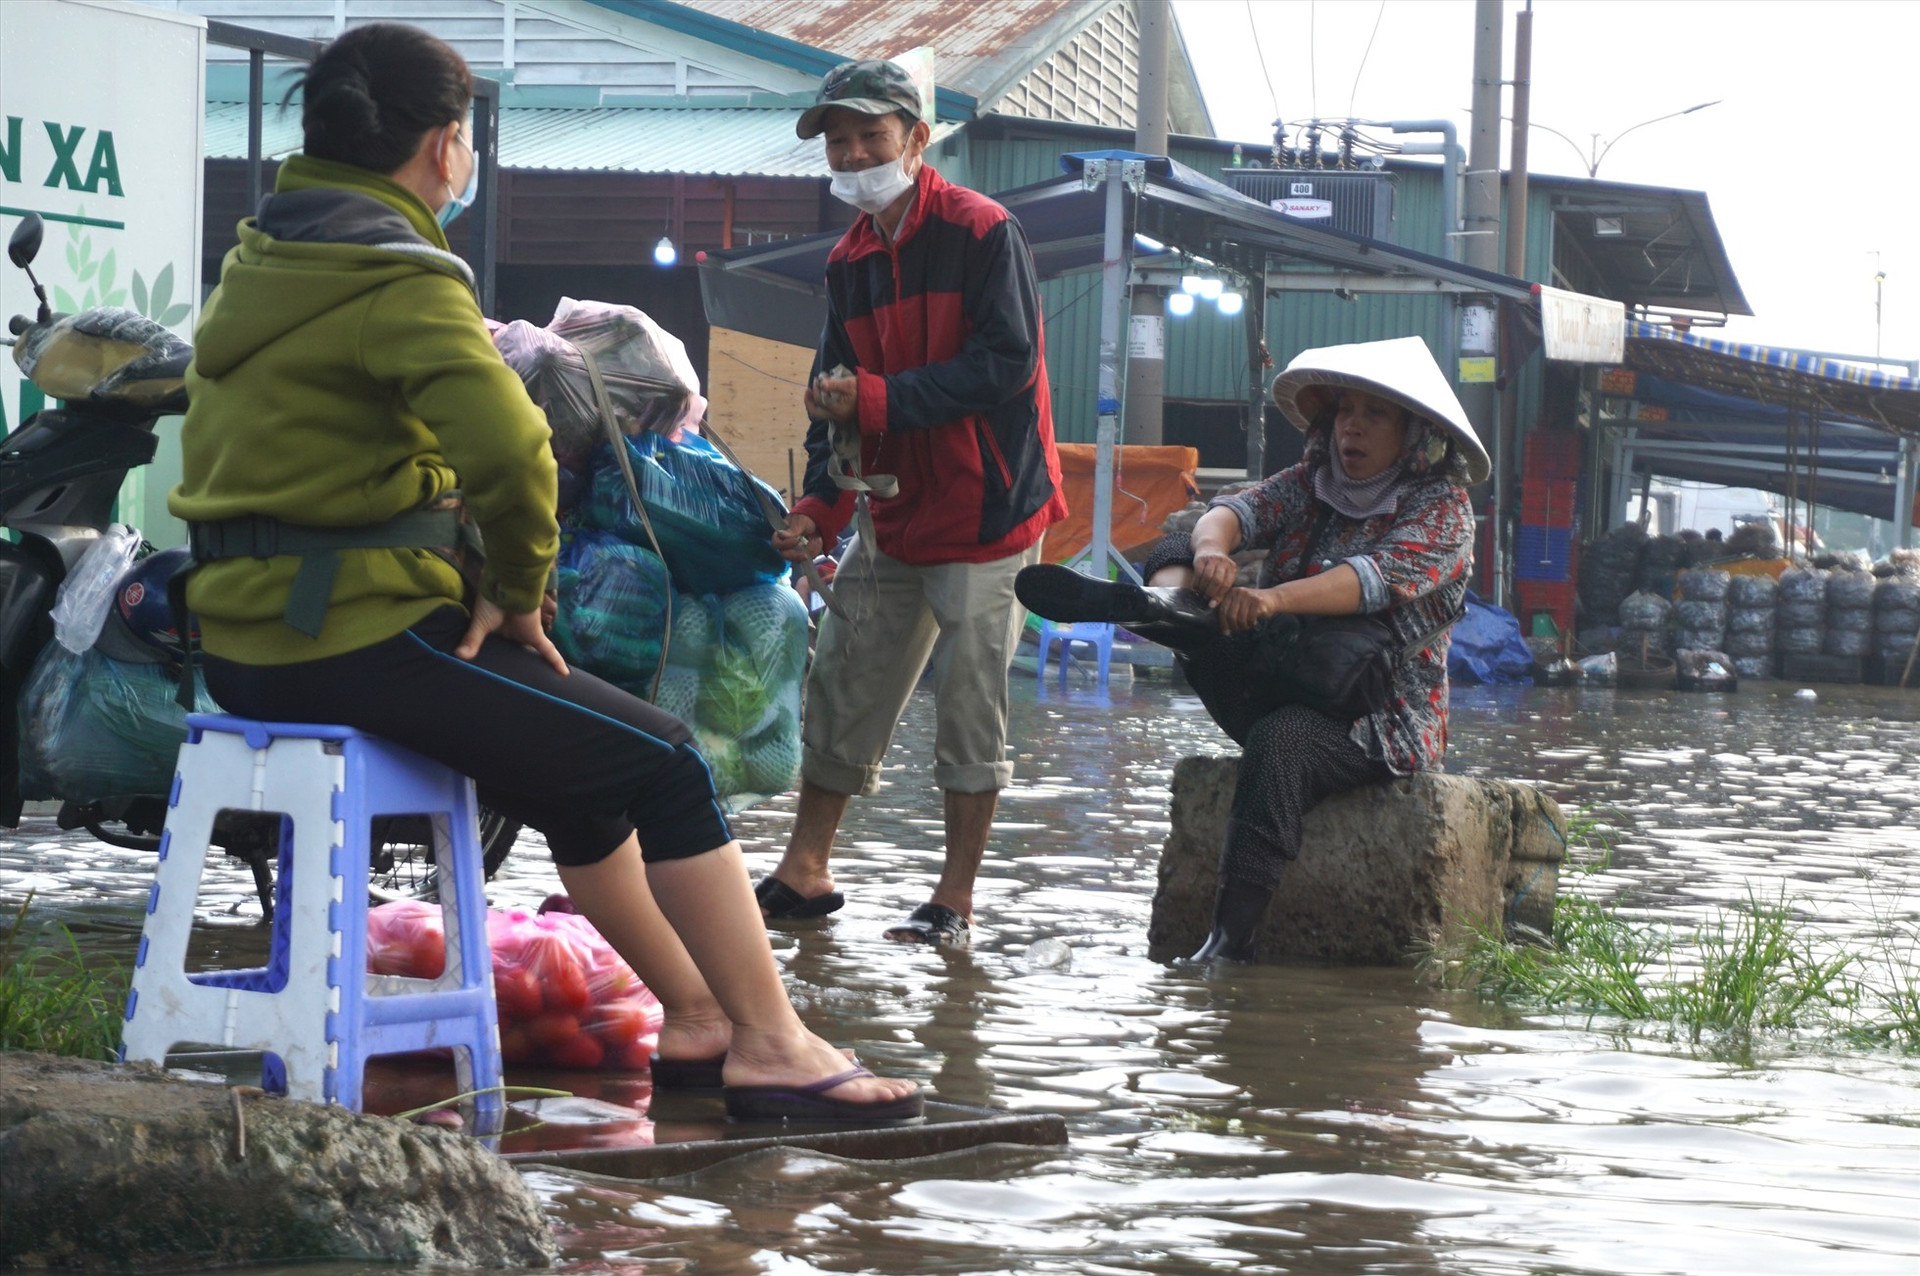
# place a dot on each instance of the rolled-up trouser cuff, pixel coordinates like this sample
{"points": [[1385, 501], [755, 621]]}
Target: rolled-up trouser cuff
{"points": [[835, 776], [973, 777], [1174, 550]]}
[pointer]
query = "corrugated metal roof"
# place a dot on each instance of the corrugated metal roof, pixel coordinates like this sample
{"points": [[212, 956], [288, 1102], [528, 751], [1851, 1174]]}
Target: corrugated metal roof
{"points": [[977, 44], [722, 141]]}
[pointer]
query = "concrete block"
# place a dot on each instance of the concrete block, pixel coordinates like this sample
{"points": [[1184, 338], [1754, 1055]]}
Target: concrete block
{"points": [[1383, 869]]}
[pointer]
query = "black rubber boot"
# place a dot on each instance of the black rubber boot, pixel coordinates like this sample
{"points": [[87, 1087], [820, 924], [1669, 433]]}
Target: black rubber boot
{"points": [[1060, 593], [1238, 910]]}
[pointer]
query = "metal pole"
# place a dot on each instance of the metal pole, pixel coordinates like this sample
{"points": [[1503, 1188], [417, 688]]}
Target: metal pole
{"points": [[1904, 493], [1146, 327], [1115, 265], [256, 104], [1483, 250], [486, 133], [1257, 376]]}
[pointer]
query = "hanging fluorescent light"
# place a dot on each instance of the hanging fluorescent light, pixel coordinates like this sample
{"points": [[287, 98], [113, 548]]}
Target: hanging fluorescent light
{"points": [[664, 253], [1179, 304], [1211, 288], [1230, 303], [1192, 284]]}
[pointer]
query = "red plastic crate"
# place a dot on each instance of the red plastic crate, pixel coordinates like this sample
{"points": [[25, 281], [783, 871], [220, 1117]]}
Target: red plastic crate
{"points": [[1548, 502], [1554, 454], [1551, 597]]}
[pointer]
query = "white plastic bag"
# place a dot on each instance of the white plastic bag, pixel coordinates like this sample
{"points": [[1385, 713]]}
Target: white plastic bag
{"points": [[80, 608]]}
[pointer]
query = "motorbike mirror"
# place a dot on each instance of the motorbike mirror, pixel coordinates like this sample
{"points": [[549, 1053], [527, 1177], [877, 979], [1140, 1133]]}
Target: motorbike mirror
{"points": [[24, 244]]}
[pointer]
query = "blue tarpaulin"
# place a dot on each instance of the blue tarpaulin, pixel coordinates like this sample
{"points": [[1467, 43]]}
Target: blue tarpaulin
{"points": [[1487, 647]]}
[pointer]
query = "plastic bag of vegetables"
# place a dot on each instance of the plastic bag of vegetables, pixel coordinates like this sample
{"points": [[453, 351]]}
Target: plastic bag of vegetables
{"points": [[612, 608], [565, 998], [734, 672], [711, 530]]}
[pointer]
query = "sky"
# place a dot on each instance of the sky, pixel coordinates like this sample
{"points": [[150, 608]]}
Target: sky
{"points": [[1804, 160]]}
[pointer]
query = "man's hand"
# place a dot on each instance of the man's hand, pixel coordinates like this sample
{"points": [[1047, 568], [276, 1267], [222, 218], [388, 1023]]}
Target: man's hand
{"points": [[1213, 574], [521, 627], [801, 542], [835, 399], [1246, 608]]}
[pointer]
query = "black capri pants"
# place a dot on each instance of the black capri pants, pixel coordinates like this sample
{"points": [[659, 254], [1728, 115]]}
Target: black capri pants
{"points": [[578, 759]]}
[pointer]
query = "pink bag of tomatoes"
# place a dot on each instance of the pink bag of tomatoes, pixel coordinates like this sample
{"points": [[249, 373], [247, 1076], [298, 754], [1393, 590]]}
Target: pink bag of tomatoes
{"points": [[566, 999]]}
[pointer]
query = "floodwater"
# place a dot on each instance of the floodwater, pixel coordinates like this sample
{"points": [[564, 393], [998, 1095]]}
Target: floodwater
{"points": [[1288, 1119]]}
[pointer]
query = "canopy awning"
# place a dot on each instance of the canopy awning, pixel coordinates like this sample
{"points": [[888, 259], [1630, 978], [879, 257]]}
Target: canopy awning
{"points": [[776, 290], [1807, 427]]}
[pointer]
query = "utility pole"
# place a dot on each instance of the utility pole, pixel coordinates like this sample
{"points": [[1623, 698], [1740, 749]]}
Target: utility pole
{"points": [[1478, 317], [1147, 323], [1507, 447]]}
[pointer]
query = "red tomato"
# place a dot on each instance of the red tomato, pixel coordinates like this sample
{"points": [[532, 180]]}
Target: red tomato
{"points": [[610, 979], [618, 1024], [517, 993], [551, 1028], [515, 1047], [427, 953], [562, 978], [579, 1051]]}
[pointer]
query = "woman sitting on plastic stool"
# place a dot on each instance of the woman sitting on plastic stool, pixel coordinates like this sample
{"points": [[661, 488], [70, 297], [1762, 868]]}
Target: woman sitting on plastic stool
{"points": [[1375, 519], [342, 386]]}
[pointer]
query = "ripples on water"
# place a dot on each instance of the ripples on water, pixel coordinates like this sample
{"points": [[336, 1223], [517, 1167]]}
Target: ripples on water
{"points": [[1298, 1119]]}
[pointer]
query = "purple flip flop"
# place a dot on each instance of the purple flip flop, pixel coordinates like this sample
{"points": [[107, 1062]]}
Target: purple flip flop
{"points": [[811, 1103]]}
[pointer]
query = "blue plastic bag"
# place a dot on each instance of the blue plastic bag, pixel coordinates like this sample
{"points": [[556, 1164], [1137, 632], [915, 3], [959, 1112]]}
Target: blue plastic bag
{"points": [[612, 614], [1487, 647], [712, 533]]}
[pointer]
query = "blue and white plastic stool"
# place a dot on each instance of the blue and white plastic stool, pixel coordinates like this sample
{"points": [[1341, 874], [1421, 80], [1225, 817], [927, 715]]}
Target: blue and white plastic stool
{"points": [[313, 1009], [1095, 634]]}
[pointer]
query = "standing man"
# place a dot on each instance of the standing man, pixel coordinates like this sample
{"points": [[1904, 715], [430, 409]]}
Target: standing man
{"points": [[930, 372]]}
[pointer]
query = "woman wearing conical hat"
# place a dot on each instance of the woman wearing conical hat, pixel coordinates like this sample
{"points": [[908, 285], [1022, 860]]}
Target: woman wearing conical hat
{"points": [[1373, 521]]}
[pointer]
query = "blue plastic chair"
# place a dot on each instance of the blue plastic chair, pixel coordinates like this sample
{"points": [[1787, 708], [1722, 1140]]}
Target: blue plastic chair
{"points": [[313, 1010], [1095, 634]]}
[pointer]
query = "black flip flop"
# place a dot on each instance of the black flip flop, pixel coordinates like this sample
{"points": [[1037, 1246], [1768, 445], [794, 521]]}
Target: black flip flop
{"points": [[781, 903], [687, 1074], [812, 1103], [932, 924]]}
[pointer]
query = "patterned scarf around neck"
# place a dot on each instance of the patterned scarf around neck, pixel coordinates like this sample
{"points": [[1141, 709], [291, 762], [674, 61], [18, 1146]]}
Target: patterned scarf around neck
{"points": [[1359, 500]]}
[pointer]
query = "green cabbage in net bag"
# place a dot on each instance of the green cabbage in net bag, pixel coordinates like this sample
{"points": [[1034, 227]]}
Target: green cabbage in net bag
{"points": [[772, 758], [724, 761], [612, 608], [679, 690]]}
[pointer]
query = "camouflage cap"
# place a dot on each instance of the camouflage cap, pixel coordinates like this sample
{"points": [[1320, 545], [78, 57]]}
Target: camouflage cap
{"points": [[871, 86]]}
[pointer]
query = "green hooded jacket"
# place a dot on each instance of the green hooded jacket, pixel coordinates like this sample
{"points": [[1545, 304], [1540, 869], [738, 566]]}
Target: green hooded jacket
{"points": [[342, 374]]}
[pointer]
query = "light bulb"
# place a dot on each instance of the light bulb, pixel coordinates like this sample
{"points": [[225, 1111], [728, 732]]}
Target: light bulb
{"points": [[1192, 284], [1179, 304], [1230, 303], [665, 253], [1211, 288]]}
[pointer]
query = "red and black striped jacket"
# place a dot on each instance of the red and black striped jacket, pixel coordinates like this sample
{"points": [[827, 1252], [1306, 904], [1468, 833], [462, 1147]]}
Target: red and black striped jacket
{"points": [[943, 329]]}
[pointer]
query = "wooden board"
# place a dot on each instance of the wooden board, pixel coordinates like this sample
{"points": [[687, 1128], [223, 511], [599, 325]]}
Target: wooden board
{"points": [[753, 389]]}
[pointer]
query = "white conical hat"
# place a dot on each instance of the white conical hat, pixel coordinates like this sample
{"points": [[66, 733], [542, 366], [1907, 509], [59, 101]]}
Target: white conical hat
{"points": [[1402, 370]]}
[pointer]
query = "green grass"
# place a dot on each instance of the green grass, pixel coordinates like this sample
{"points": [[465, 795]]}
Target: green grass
{"points": [[52, 1000], [1752, 969]]}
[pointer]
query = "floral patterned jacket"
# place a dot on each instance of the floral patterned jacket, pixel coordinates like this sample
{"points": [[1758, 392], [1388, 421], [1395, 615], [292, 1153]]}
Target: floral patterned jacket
{"points": [[1413, 565]]}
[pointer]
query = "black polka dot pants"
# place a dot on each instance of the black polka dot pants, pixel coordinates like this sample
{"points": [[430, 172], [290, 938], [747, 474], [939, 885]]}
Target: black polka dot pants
{"points": [[1292, 759]]}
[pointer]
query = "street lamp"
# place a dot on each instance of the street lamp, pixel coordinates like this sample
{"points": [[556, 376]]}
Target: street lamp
{"points": [[1595, 153]]}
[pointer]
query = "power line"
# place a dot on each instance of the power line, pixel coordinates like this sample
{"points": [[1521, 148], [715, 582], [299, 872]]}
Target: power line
{"points": [[1266, 70], [1363, 58], [1313, 55]]}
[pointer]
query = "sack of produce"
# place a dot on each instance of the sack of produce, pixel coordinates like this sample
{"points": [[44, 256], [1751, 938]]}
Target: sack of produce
{"points": [[1643, 610], [734, 673], [1749, 642], [1704, 585], [1850, 590], [1750, 620], [1800, 640], [1753, 666], [565, 998], [1803, 584], [1691, 613], [1704, 670], [1661, 564], [92, 727], [712, 531], [1847, 642], [650, 381], [1744, 590], [612, 608], [1685, 639], [1857, 620], [1609, 566]]}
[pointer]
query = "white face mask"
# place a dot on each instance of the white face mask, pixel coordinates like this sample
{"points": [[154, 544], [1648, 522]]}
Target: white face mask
{"points": [[871, 189]]}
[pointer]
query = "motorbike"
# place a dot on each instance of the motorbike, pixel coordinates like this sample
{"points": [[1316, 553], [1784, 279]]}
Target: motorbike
{"points": [[111, 374]]}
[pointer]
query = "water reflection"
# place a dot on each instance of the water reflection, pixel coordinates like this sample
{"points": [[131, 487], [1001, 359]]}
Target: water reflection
{"points": [[1293, 1119]]}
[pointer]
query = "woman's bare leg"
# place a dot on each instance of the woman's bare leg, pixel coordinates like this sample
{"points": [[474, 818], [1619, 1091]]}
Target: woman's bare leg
{"points": [[709, 901], [1173, 575], [695, 1027]]}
